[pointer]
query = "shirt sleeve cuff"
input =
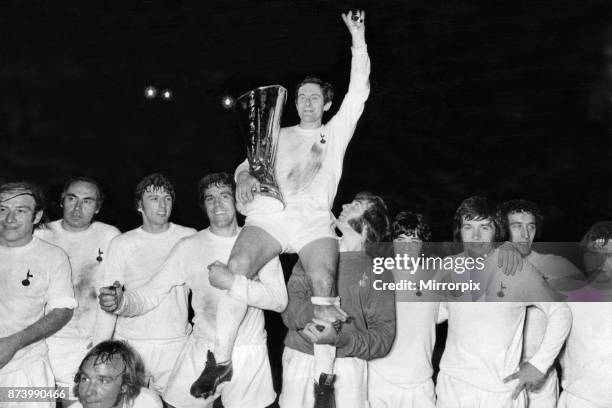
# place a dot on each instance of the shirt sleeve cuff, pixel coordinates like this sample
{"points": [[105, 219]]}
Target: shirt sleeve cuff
{"points": [[239, 288], [540, 365], [62, 303]]}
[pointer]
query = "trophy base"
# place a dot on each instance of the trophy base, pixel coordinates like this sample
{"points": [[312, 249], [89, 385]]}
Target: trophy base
{"points": [[261, 204]]}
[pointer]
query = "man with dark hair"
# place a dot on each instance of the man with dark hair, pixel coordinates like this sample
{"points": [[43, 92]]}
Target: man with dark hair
{"points": [[308, 169], [483, 210], [86, 243], [485, 338], [516, 208], [409, 226], [133, 258], [403, 378], [185, 266], [36, 292], [327, 90], [111, 375], [522, 220], [368, 335]]}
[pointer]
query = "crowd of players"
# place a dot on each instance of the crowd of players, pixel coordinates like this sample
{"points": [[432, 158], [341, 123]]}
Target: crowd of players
{"points": [[103, 315], [497, 354]]}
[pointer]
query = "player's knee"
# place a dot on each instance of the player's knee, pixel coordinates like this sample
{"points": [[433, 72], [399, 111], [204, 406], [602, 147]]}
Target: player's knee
{"points": [[239, 264]]}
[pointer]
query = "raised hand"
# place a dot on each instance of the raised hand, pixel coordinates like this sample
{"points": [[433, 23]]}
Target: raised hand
{"points": [[355, 22]]}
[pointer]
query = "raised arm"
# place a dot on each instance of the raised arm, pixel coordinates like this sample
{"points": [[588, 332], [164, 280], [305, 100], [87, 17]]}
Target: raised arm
{"points": [[355, 23], [345, 120]]}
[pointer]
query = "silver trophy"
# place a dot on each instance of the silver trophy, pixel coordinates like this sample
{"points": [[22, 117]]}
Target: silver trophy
{"points": [[259, 113]]}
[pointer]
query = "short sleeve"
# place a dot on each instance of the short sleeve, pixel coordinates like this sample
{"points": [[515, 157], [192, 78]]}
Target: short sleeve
{"points": [[60, 293]]}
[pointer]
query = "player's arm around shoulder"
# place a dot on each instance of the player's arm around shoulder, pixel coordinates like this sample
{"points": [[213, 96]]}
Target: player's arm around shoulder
{"points": [[528, 285]]}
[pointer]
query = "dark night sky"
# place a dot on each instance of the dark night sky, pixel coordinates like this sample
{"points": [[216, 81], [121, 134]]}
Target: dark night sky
{"points": [[511, 99]]}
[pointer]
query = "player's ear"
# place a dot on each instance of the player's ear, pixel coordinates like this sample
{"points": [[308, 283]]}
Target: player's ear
{"points": [[327, 106], [37, 217], [124, 389], [139, 206]]}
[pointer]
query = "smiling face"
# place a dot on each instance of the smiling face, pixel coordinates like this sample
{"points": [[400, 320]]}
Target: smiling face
{"points": [[17, 218], [310, 105], [155, 207], [477, 236], [80, 203], [220, 207], [100, 383], [522, 226]]}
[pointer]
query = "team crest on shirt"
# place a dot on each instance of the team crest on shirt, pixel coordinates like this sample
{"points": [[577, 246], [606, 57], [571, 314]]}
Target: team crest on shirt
{"points": [[100, 253], [26, 281]]}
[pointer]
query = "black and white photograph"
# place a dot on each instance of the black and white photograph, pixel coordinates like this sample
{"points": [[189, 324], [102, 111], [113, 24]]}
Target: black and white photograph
{"points": [[306, 204]]}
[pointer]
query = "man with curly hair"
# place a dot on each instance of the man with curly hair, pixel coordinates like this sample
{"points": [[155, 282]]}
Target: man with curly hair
{"points": [[112, 376]]}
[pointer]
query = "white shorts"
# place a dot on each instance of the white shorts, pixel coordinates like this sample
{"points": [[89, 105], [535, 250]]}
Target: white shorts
{"points": [[295, 227], [547, 395], [33, 373], [383, 394], [251, 384], [159, 357], [567, 400], [453, 393], [298, 385], [65, 356]]}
